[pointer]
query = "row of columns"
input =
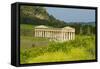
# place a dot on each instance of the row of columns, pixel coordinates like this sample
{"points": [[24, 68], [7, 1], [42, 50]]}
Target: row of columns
{"points": [[55, 34], [68, 35]]}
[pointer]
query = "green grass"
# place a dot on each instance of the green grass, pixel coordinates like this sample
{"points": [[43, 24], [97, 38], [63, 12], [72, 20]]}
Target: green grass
{"points": [[82, 48], [26, 26], [37, 50], [73, 55]]}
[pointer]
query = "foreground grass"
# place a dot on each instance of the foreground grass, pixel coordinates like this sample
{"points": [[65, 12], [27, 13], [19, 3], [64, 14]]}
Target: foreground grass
{"points": [[73, 55], [82, 48]]}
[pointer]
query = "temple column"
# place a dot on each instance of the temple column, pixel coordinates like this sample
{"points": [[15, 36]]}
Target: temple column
{"points": [[70, 35], [47, 33], [53, 34], [42, 33], [63, 35], [67, 36], [50, 34], [38, 33], [73, 35]]}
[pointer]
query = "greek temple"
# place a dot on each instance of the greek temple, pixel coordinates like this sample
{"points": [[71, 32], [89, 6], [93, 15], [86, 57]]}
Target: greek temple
{"points": [[60, 34]]}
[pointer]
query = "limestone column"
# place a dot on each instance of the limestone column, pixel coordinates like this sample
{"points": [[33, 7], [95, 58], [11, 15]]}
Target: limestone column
{"points": [[38, 33], [73, 35], [55, 34], [49, 34], [43, 33], [52, 34], [46, 33], [63, 35], [69, 35]]}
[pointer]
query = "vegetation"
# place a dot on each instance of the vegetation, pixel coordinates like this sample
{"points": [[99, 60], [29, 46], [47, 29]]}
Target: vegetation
{"points": [[31, 15], [37, 50], [82, 48]]}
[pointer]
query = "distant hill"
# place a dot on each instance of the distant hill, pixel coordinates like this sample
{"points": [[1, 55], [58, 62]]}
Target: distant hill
{"points": [[38, 16]]}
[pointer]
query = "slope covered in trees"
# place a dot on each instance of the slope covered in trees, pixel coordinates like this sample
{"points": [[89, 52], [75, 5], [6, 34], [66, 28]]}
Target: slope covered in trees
{"points": [[38, 16]]}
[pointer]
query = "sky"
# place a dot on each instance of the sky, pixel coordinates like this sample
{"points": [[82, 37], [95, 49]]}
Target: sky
{"points": [[72, 14]]}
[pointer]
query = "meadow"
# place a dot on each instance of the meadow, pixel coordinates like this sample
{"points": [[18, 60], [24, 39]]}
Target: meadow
{"points": [[38, 50]]}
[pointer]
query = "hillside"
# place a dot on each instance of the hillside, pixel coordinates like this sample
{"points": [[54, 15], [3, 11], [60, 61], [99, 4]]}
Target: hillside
{"points": [[38, 16]]}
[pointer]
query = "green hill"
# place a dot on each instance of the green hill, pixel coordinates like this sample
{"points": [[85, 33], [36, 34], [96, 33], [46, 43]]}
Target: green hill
{"points": [[38, 16]]}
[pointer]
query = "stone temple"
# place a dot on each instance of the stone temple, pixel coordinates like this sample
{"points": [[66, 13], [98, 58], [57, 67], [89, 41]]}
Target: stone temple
{"points": [[59, 34]]}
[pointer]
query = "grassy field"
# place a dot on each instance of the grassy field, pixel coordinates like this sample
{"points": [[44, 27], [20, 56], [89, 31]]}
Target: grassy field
{"points": [[37, 50]]}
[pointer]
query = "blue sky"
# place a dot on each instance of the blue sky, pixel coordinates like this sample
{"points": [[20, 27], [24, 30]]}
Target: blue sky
{"points": [[71, 14]]}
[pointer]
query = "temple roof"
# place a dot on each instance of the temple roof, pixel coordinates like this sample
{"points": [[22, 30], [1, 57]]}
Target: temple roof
{"points": [[41, 26], [67, 27]]}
